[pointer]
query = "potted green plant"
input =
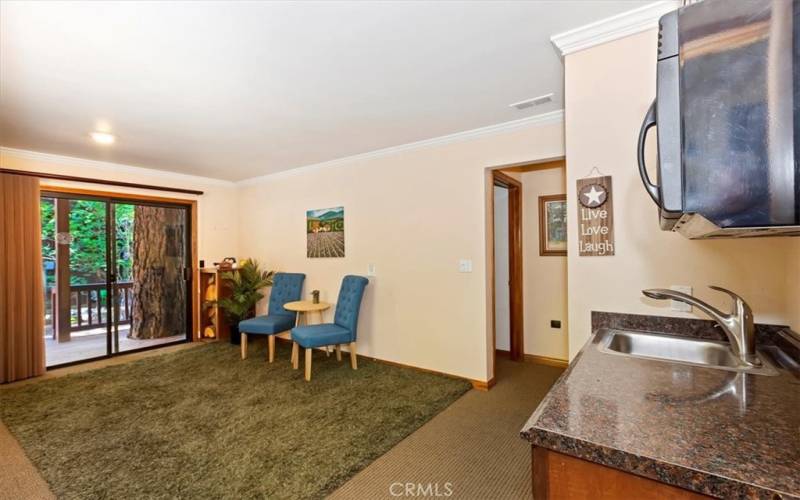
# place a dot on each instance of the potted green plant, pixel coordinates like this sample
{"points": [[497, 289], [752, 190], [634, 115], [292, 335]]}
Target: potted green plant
{"points": [[244, 284]]}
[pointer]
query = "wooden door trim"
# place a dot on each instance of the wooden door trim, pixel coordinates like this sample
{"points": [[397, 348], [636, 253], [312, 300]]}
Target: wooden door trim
{"points": [[504, 180], [516, 307]]}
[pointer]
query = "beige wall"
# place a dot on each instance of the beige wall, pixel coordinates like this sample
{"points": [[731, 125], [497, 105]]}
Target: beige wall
{"points": [[218, 228], [413, 214], [793, 285], [545, 278], [607, 90]]}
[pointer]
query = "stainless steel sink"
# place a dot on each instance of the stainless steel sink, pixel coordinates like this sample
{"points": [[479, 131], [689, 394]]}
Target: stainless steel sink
{"points": [[670, 348]]}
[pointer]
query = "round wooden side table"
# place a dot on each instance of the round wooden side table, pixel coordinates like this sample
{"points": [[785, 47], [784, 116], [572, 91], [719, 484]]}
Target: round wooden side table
{"points": [[304, 308]]}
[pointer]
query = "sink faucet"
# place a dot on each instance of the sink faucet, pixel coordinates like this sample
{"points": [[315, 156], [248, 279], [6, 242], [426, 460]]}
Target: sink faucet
{"points": [[738, 325]]}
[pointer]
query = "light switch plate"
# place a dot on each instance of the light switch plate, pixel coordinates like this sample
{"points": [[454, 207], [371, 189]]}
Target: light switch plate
{"points": [[465, 266], [681, 306], [370, 269]]}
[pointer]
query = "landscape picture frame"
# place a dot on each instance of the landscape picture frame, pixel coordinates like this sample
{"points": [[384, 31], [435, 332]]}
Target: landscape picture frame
{"points": [[553, 225]]}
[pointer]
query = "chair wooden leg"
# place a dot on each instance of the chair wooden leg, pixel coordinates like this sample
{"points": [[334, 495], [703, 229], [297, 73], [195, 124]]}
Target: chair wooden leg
{"points": [[244, 345], [271, 344], [295, 355], [308, 364], [353, 361], [338, 352]]}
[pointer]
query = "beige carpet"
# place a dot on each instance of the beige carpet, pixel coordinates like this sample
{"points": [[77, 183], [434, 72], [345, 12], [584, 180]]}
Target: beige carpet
{"points": [[471, 450], [19, 479]]}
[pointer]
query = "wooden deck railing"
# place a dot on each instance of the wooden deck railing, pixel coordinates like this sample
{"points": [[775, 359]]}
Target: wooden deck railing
{"points": [[89, 305]]}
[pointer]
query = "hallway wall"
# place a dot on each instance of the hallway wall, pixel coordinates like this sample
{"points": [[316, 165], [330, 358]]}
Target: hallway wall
{"points": [[545, 277]]}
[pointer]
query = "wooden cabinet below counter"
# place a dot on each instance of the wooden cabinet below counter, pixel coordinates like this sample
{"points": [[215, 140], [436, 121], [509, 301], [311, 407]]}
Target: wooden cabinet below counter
{"points": [[561, 477]]}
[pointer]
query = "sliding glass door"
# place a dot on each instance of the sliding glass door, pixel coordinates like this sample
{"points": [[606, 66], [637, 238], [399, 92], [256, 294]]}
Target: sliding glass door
{"points": [[74, 247], [149, 289], [116, 276]]}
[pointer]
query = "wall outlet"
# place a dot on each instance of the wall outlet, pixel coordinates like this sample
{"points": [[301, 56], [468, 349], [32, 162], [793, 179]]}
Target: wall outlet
{"points": [[465, 266], [370, 269], [681, 306], [555, 323]]}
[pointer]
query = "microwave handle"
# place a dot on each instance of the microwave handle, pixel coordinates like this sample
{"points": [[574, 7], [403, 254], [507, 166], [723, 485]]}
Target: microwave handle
{"points": [[649, 121]]}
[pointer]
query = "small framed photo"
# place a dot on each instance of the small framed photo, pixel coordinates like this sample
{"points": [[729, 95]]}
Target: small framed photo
{"points": [[553, 225]]}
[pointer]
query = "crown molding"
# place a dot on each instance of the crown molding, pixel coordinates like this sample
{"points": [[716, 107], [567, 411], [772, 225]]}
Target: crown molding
{"points": [[110, 167], [552, 117], [612, 28]]}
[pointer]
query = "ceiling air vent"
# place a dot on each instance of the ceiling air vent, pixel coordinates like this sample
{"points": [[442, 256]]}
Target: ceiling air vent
{"points": [[529, 103]]}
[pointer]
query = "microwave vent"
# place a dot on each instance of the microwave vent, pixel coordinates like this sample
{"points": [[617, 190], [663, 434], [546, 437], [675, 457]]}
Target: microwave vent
{"points": [[697, 227]]}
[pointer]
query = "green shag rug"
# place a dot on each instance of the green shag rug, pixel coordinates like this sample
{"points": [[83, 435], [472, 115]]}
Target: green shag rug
{"points": [[202, 423]]}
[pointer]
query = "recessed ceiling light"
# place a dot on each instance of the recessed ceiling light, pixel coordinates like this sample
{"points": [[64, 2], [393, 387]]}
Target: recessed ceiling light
{"points": [[103, 137], [529, 103]]}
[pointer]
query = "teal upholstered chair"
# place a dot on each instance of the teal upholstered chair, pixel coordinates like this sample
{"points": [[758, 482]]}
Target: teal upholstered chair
{"points": [[341, 331], [286, 287]]}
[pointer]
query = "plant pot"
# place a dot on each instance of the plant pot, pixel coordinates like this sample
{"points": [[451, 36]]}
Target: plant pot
{"points": [[236, 337]]}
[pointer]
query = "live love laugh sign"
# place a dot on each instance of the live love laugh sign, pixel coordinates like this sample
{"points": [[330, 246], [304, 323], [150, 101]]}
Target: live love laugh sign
{"points": [[595, 217]]}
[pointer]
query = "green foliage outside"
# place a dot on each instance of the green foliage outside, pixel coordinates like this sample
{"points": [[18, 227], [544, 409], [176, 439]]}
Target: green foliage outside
{"points": [[124, 221], [245, 286], [87, 226]]}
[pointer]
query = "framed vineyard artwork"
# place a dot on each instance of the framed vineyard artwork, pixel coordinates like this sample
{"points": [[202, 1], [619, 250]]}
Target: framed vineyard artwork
{"points": [[325, 232]]}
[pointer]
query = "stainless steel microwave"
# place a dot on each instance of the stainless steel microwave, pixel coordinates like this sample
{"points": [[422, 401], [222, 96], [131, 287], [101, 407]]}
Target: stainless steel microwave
{"points": [[727, 121]]}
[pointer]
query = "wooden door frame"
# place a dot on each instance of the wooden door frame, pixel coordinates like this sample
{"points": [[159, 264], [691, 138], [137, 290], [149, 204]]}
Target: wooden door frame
{"points": [[190, 205], [516, 307]]}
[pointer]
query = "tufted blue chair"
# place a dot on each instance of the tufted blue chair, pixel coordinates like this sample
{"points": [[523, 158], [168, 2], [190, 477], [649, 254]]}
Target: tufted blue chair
{"points": [[341, 331], [286, 287]]}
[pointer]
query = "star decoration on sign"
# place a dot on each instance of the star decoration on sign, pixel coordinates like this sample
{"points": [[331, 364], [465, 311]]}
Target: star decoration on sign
{"points": [[593, 195]]}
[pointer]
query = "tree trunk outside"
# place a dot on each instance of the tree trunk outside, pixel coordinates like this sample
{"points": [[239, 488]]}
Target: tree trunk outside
{"points": [[159, 291]]}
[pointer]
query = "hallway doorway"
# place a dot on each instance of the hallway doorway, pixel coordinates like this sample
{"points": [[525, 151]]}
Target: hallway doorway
{"points": [[527, 263], [507, 237]]}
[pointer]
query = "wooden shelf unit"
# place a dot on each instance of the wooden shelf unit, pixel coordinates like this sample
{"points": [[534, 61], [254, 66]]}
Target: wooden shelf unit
{"points": [[210, 315]]}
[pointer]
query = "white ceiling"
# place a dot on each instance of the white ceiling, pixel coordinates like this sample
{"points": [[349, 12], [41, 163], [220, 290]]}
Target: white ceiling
{"points": [[237, 90]]}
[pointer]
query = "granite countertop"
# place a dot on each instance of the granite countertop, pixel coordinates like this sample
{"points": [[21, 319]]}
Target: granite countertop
{"points": [[720, 433]]}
